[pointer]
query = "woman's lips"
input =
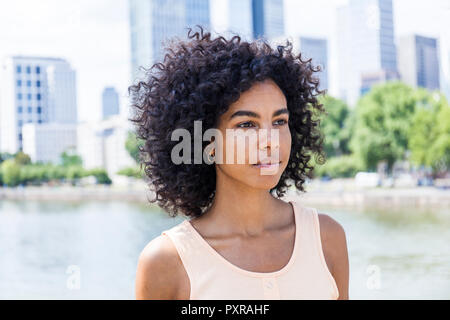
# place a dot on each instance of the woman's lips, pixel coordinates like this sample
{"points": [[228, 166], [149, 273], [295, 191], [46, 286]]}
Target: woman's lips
{"points": [[266, 165]]}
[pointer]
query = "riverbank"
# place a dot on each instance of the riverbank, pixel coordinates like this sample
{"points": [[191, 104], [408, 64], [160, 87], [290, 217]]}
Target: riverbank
{"points": [[338, 193]]}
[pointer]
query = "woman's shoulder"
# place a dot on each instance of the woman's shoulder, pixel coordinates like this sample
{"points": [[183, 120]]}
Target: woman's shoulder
{"points": [[334, 246], [160, 270], [330, 227], [332, 236]]}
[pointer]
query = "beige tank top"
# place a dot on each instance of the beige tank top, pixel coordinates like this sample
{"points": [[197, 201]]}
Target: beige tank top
{"points": [[211, 276]]}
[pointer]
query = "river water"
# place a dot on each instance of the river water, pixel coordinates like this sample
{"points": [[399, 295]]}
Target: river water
{"points": [[89, 250]]}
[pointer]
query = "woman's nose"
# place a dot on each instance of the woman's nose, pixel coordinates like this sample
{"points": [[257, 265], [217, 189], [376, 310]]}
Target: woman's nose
{"points": [[269, 138]]}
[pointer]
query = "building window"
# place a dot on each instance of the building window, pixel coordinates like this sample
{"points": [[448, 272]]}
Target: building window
{"points": [[38, 83], [28, 69], [38, 70], [19, 96], [39, 110], [28, 83], [19, 69], [19, 109], [39, 121], [30, 109], [20, 123], [20, 136], [38, 96], [29, 96], [19, 83]]}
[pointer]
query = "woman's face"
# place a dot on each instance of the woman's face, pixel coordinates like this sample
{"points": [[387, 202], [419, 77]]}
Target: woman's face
{"points": [[261, 111]]}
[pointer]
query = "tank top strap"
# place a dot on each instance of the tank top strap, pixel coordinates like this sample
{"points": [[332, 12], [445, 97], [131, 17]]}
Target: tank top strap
{"points": [[311, 244], [190, 251], [310, 232]]}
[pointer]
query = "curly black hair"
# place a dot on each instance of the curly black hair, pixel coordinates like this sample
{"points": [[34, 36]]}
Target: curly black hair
{"points": [[198, 80]]}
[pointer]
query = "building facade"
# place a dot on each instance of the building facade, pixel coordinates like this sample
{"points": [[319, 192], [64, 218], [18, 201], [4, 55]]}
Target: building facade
{"points": [[102, 144], [34, 90], [47, 141], [267, 18], [365, 45], [110, 102], [153, 22], [232, 17], [418, 61], [317, 50]]}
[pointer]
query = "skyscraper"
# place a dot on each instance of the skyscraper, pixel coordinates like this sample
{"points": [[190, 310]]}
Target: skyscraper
{"points": [[248, 18], [154, 21], [268, 18], [233, 16], [316, 49], [366, 45], [110, 102], [35, 90], [418, 61]]}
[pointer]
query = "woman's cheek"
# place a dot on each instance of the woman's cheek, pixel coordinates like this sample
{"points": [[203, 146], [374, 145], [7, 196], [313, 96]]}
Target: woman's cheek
{"points": [[285, 143]]}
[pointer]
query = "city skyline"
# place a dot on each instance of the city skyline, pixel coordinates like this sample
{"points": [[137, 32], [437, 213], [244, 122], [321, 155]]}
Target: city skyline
{"points": [[72, 31]]}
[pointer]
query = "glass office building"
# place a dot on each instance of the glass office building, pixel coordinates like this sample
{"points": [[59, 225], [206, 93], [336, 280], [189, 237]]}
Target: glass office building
{"points": [[268, 18], [418, 61], [110, 102], [317, 50], [34, 90], [152, 22], [366, 45]]}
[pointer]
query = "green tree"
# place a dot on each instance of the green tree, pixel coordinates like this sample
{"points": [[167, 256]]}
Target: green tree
{"points": [[70, 159], [100, 174], [134, 172], [383, 118], [74, 172], [429, 137], [22, 158], [132, 145], [344, 166], [10, 172], [336, 125], [5, 156]]}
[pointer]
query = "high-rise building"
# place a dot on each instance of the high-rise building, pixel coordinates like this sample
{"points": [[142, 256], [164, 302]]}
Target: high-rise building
{"points": [[418, 61], [249, 19], [152, 22], [46, 142], [233, 16], [365, 34], [445, 74], [267, 18], [102, 144], [34, 90], [110, 102], [316, 49]]}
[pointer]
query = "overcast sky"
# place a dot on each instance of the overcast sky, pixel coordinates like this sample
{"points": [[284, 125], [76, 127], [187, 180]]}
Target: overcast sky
{"points": [[94, 35]]}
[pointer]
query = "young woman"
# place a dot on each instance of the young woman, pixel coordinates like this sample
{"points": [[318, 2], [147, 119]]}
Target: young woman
{"points": [[242, 240]]}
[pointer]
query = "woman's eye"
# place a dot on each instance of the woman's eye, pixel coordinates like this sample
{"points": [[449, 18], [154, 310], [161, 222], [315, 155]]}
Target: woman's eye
{"points": [[245, 124], [280, 122]]}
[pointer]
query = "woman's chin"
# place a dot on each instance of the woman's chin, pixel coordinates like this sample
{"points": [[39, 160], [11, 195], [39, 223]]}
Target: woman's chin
{"points": [[264, 179]]}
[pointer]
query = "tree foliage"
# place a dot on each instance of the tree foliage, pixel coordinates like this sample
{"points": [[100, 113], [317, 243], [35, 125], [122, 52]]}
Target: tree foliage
{"points": [[70, 159], [336, 125], [132, 145], [383, 118], [429, 136]]}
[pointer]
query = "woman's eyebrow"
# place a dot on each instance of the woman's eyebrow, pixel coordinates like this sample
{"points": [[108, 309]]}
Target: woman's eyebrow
{"points": [[248, 113]]}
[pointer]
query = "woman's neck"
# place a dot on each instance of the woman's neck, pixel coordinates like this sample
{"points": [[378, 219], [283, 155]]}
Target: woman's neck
{"points": [[241, 209]]}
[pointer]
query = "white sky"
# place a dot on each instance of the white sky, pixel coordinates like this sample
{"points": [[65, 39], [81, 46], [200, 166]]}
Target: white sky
{"points": [[94, 35]]}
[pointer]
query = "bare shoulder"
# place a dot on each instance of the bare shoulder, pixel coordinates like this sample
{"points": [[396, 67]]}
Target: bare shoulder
{"points": [[334, 245], [160, 273], [330, 228]]}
